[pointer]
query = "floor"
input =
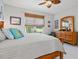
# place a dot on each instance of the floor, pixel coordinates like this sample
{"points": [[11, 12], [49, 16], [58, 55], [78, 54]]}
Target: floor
{"points": [[71, 52]]}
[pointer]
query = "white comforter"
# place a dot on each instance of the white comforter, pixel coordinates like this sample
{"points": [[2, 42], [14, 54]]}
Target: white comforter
{"points": [[29, 47]]}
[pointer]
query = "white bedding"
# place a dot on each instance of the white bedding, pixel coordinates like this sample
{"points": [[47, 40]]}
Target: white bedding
{"points": [[30, 47]]}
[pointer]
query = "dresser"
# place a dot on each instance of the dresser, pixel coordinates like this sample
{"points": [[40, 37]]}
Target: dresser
{"points": [[68, 37]]}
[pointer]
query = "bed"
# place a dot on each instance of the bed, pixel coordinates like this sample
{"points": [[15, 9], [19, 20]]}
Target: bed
{"points": [[32, 46]]}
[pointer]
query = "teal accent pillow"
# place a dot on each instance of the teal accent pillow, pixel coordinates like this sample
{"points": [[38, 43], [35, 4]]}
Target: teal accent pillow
{"points": [[16, 33]]}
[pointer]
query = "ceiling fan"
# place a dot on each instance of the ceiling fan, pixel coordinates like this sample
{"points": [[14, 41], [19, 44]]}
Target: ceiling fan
{"points": [[49, 3]]}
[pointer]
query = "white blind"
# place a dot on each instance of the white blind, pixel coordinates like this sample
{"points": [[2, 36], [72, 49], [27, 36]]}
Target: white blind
{"points": [[34, 21]]}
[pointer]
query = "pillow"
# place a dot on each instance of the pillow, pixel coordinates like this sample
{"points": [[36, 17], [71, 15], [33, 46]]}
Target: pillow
{"points": [[2, 36], [7, 33], [16, 33]]}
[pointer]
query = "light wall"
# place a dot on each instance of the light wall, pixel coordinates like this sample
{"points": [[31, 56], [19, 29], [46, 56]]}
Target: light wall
{"points": [[1, 10], [19, 12], [68, 12]]}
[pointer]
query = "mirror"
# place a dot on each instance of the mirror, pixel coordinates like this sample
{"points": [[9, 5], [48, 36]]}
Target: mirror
{"points": [[66, 23]]}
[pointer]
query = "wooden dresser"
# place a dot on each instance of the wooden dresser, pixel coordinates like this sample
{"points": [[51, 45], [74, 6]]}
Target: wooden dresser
{"points": [[69, 37]]}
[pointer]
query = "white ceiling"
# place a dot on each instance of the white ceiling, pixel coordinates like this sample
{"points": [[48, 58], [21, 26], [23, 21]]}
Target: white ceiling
{"points": [[33, 5]]}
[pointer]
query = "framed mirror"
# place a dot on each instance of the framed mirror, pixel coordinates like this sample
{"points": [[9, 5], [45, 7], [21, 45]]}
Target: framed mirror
{"points": [[67, 23]]}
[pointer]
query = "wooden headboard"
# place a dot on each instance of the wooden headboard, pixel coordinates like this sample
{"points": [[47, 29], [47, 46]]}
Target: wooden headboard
{"points": [[1, 24]]}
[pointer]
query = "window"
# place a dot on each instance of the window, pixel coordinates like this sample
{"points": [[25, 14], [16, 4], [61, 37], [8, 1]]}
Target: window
{"points": [[34, 24]]}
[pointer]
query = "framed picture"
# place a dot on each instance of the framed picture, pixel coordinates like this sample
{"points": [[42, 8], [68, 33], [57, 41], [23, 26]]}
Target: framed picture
{"points": [[56, 24], [15, 20]]}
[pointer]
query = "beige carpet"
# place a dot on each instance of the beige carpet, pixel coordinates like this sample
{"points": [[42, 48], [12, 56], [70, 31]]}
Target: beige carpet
{"points": [[71, 52]]}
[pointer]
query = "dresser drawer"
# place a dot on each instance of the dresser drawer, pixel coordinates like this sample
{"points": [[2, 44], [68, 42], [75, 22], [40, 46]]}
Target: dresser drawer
{"points": [[69, 33], [68, 37]]}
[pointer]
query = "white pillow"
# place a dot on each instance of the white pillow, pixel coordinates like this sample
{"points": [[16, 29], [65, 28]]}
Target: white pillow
{"points": [[8, 34], [2, 36]]}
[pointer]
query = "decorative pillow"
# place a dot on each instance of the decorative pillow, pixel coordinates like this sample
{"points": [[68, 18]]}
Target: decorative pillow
{"points": [[7, 33], [2, 36], [16, 33]]}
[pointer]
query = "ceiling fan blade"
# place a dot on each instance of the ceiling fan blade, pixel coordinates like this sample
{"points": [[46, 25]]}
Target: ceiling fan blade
{"points": [[56, 1], [42, 3]]}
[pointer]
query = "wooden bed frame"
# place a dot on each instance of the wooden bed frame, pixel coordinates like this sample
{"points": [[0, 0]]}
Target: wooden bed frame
{"points": [[52, 55]]}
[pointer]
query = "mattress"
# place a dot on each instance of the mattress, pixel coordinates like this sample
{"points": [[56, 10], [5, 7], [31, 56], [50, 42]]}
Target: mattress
{"points": [[30, 46]]}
